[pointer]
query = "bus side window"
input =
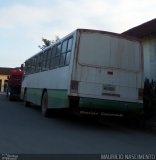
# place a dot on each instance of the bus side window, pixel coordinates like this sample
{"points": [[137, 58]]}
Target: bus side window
{"points": [[29, 67], [54, 49], [37, 63], [48, 58], [44, 61], [63, 53], [53, 52], [32, 61], [26, 67], [33, 65], [64, 46], [70, 43], [40, 62], [68, 54], [57, 55]]}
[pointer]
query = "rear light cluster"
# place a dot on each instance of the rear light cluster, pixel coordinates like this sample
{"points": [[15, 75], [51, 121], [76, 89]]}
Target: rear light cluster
{"points": [[74, 86], [140, 94]]}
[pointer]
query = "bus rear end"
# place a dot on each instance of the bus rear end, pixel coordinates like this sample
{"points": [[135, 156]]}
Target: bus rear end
{"points": [[107, 73]]}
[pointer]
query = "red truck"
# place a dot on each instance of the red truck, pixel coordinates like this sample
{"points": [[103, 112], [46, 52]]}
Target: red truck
{"points": [[14, 84]]}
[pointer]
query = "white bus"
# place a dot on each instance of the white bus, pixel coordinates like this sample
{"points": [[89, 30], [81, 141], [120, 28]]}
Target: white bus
{"points": [[87, 69]]}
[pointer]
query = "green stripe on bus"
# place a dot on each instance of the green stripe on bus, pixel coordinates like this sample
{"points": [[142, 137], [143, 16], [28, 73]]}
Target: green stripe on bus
{"points": [[58, 98], [34, 95], [110, 105]]}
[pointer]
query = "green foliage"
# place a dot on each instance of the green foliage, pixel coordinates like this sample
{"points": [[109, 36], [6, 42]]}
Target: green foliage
{"points": [[48, 42]]}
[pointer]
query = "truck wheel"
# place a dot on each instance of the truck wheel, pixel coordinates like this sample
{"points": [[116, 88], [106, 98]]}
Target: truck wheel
{"points": [[26, 103], [10, 96], [44, 105], [7, 94]]}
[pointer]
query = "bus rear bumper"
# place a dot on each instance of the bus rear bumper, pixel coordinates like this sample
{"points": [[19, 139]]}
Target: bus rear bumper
{"points": [[110, 105]]}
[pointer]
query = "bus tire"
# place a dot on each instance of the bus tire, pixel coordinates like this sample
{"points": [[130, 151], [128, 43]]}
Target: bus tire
{"points": [[44, 104], [26, 103]]}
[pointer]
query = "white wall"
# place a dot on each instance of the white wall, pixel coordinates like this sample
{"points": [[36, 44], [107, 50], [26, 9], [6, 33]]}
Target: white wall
{"points": [[149, 50], [3, 78]]}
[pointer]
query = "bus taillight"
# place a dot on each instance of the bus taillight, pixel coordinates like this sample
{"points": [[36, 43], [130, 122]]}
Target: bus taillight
{"points": [[140, 93], [74, 86]]}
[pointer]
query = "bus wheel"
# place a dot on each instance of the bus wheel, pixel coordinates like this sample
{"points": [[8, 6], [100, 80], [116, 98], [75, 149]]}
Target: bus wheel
{"points": [[44, 105], [26, 103]]}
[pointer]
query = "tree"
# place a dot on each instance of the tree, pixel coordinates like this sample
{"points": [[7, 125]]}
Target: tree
{"points": [[56, 40], [48, 42]]}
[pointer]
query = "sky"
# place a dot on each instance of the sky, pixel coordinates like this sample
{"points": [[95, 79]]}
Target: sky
{"points": [[23, 23]]}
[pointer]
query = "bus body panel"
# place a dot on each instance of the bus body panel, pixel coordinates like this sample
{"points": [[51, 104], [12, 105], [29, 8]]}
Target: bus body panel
{"points": [[107, 67], [54, 81], [105, 72]]}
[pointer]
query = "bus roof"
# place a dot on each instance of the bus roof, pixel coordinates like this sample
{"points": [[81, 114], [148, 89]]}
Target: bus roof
{"points": [[81, 30]]}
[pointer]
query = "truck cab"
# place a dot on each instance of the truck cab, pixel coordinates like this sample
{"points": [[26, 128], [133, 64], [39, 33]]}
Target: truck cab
{"points": [[14, 84]]}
